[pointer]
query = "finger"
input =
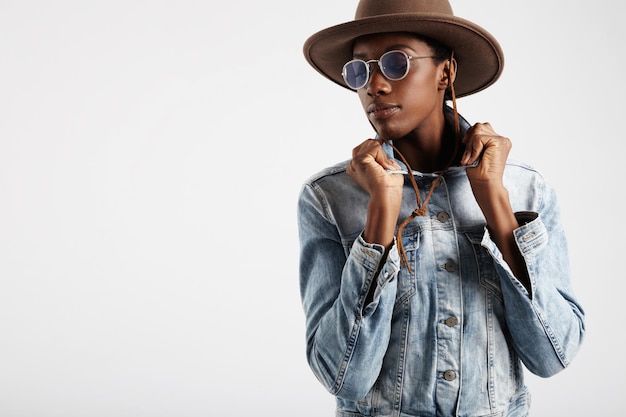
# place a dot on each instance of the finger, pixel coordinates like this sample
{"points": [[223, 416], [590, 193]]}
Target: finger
{"points": [[472, 131], [383, 159], [374, 148], [390, 164], [473, 148]]}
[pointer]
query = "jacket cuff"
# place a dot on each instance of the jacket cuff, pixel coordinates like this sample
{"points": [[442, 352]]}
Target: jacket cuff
{"points": [[532, 234], [375, 258]]}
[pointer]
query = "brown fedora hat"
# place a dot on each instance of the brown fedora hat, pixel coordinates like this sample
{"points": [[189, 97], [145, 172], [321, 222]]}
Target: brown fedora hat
{"points": [[479, 55]]}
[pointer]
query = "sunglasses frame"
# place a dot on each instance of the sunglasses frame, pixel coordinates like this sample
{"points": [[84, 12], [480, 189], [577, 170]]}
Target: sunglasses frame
{"points": [[380, 65]]}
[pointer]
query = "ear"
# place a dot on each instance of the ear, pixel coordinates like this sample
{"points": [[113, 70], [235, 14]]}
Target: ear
{"points": [[448, 74]]}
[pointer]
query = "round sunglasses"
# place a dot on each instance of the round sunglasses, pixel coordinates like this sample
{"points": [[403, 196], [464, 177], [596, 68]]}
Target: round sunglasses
{"points": [[394, 65]]}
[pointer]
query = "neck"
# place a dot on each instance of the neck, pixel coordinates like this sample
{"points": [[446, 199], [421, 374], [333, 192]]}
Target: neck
{"points": [[428, 150]]}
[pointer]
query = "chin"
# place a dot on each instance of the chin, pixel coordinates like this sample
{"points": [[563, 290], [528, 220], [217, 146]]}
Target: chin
{"points": [[390, 130], [390, 134]]}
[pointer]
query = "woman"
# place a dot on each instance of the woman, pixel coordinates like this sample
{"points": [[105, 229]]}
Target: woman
{"points": [[431, 267]]}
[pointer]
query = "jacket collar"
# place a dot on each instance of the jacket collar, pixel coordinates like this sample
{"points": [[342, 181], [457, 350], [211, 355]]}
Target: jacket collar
{"points": [[449, 115]]}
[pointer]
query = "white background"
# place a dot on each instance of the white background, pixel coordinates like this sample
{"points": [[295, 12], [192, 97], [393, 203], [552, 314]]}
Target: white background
{"points": [[151, 154]]}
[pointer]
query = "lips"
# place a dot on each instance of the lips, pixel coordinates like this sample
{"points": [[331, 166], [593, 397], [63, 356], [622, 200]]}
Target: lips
{"points": [[381, 110]]}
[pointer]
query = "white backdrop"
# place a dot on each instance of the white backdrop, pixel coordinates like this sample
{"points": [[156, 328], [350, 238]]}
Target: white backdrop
{"points": [[151, 153]]}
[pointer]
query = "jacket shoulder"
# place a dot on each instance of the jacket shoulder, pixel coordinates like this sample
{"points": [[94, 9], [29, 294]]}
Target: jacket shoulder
{"points": [[331, 171], [522, 167]]}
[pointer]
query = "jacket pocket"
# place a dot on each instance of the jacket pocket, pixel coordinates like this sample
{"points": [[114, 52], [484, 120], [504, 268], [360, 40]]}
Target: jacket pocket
{"points": [[406, 280], [487, 276]]}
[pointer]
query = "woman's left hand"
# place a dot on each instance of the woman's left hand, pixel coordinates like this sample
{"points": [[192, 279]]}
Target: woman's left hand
{"points": [[482, 143], [491, 151]]}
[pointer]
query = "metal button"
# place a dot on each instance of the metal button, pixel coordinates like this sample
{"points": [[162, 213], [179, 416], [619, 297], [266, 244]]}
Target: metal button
{"points": [[443, 217], [451, 321], [449, 266], [449, 375], [387, 275]]}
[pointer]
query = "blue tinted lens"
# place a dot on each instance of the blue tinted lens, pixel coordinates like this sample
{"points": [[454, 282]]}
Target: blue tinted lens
{"points": [[355, 74], [395, 65]]}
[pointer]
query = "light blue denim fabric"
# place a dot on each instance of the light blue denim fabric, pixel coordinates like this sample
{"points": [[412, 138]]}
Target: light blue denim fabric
{"points": [[450, 338]]}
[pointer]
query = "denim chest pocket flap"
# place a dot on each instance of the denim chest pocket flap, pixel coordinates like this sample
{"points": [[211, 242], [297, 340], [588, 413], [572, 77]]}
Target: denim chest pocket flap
{"points": [[487, 276], [406, 280]]}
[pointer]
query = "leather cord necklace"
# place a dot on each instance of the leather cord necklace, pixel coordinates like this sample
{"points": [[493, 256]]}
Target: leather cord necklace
{"points": [[421, 209]]}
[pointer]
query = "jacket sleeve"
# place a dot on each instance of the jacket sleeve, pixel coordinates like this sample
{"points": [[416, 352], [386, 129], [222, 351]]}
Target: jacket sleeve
{"points": [[547, 323], [346, 339]]}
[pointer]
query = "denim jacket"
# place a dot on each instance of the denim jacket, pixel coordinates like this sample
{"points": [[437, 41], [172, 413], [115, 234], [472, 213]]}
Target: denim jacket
{"points": [[448, 338]]}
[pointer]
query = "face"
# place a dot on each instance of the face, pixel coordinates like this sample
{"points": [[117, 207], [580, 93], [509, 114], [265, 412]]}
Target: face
{"points": [[400, 108]]}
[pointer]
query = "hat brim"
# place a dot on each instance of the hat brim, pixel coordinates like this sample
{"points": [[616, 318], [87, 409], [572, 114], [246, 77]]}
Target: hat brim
{"points": [[478, 54]]}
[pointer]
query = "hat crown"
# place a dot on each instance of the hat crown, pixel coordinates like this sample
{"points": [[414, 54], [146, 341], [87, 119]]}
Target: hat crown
{"points": [[371, 8]]}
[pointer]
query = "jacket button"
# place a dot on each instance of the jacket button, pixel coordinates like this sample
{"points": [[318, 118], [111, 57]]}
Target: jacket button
{"points": [[449, 375], [443, 217], [449, 266], [451, 321]]}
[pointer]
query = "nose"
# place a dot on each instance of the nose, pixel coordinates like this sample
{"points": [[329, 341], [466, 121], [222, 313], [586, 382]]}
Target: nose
{"points": [[378, 84]]}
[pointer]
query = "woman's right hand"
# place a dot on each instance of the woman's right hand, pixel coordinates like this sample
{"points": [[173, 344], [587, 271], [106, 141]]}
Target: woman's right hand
{"points": [[368, 168]]}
